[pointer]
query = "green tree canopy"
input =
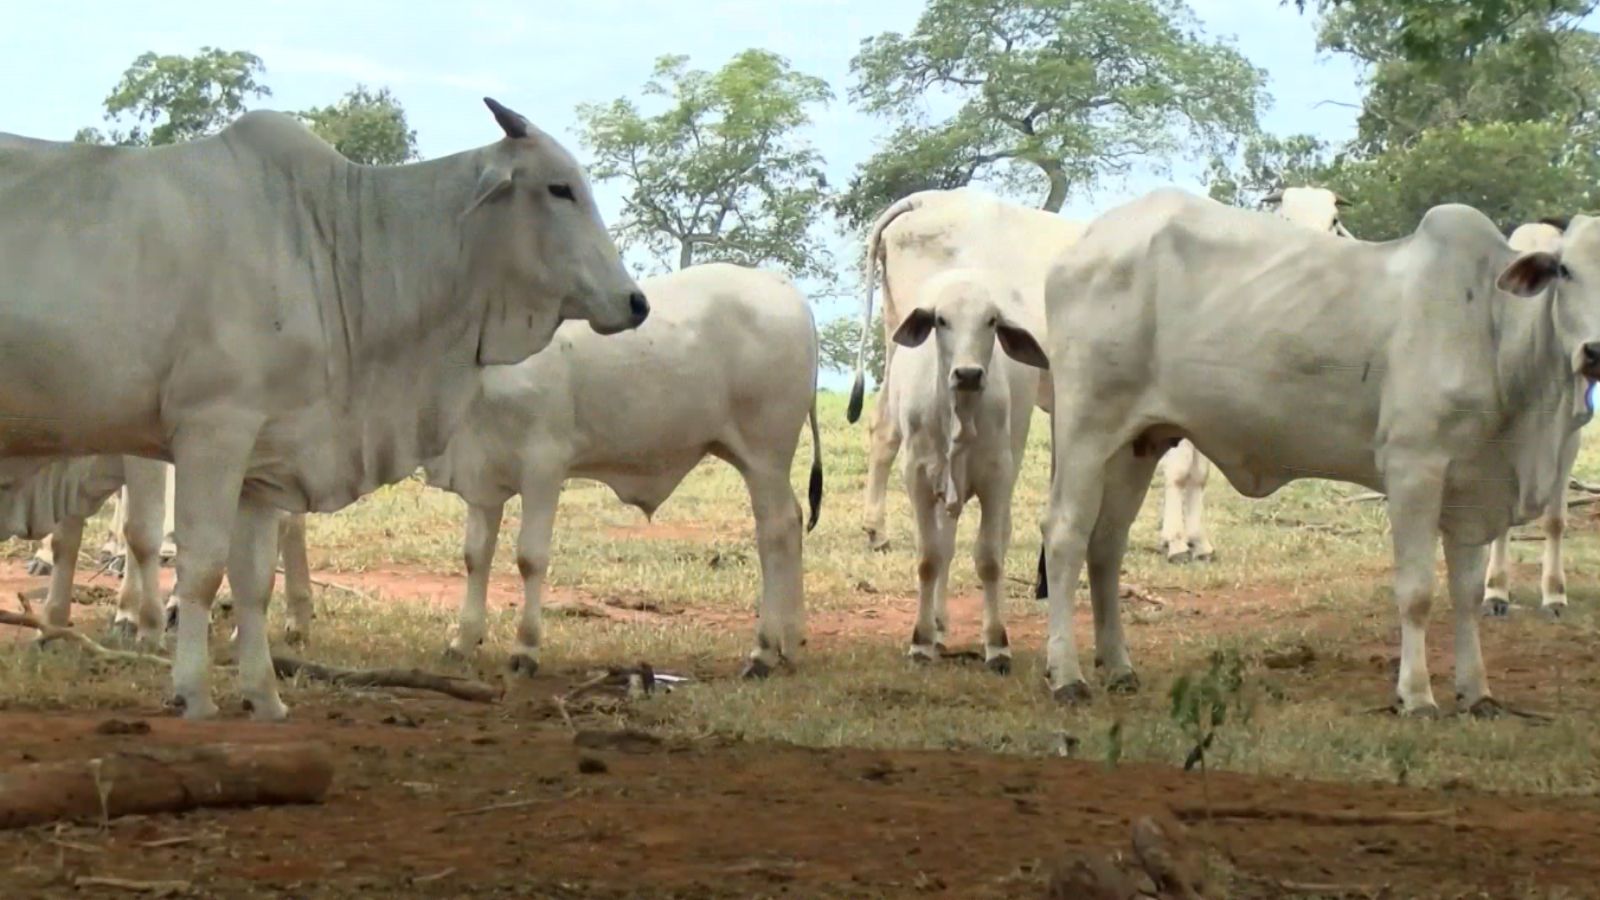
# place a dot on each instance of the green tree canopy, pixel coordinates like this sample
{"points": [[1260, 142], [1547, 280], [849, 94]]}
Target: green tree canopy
{"points": [[1048, 95], [840, 338], [167, 99], [723, 171], [367, 127]]}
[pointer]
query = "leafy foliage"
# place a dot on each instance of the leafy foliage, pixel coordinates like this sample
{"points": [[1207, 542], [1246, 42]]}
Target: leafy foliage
{"points": [[1050, 94], [1200, 705], [840, 339], [167, 99], [367, 127], [1432, 32], [722, 171], [1269, 163]]}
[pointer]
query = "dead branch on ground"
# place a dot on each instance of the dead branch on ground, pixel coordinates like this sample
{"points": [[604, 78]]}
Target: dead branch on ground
{"points": [[1316, 817], [460, 688]]}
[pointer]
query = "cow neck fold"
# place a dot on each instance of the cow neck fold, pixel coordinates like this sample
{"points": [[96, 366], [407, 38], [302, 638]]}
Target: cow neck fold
{"points": [[1538, 394]]}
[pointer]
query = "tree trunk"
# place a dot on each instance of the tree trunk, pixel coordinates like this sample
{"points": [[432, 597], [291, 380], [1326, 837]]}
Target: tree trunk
{"points": [[686, 254], [1058, 185]]}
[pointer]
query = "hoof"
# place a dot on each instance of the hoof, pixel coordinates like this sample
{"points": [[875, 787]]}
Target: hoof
{"points": [[755, 670], [1181, 558], [1126, 682], [523, 664], [268, 709], [876, 542], [117, 565], [1497, 607], [1423, 711], [1072, 694], [123, 630], [37, 566], [999, 665], [1205, 556], [294, 637], [192, 711], [921, 656], [172, 617], [1485, 708], [1554, 612]]}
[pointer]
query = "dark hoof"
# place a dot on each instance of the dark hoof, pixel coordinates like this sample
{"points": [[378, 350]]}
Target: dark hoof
{"points": [[123, 630], [1553, 612], [875, 543], [1179, 559], [1430, 711], [1073, 694], [1123, 683], [175, 704], [1497, 608], [755, 669], [1485, 708], [920, 657], [523, 664], [172, 617], [117, 565], [1000, 665], [1205, 557], [37, 566]]}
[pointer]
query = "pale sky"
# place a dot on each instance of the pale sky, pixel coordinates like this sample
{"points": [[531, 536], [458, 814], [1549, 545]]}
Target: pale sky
{"points": [[58, 61]]}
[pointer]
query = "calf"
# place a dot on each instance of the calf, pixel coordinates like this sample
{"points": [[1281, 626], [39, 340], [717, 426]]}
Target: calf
{"points": [[964, 416], [725, 366], [1544, 235]]}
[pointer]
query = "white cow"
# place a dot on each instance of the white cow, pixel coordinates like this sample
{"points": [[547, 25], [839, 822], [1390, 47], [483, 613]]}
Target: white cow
{"points": [[964, 415], [1542, 235], [916, 238], [115, 545], [1445, 369], [297, 330], [1185, 470], [726, 366]]}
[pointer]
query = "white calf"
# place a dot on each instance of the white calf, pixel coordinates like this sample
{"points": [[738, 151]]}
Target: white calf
{"points": [[1545, 235], [725, 366], [964, 416]]}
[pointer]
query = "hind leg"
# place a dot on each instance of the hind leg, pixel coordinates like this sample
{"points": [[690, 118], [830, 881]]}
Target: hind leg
{"points": [[540, 495], [1497, 580], [1127, 480], [64, 544], [296, 577], [1194, 505], [780, 619], [1174, 469], [883, 443], [472, 624], [139, 609]]}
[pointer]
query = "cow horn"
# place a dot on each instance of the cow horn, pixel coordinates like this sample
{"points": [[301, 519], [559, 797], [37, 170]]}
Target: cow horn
{"points": [[1274, 197], [511, 121], [1340, 201]]}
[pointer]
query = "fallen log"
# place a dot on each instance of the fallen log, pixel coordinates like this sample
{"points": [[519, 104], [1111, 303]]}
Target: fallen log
{"points": [[50, 633], [460, 688], [164, 780], [1315, 817]]}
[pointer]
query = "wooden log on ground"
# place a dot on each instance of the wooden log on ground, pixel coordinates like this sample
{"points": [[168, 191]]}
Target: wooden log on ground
{"points": [[164, 780], [460, 688]]}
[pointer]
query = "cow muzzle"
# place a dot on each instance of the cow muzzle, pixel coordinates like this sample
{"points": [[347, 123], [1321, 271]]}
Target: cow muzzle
{"points": [[966, 378], [638, 311], [1590, 366]]}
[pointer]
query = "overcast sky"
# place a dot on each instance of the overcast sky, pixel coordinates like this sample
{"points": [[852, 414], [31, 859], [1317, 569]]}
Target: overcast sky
{"points": [[60, 59]]}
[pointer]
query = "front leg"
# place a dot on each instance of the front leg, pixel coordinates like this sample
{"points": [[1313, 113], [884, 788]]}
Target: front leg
{"points": [[252, 568], [63, 545], [539, 498], [1416, 494], [1174, 540], [296, 577], [925, 508], [212, 456], [483, 532], [1496, 581], [1194, 505], [139, 610], [1463, 562], [1554, 580], [989, 557]]}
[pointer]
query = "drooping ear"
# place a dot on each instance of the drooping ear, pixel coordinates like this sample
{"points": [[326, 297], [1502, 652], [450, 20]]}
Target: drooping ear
{"points": [[511, 121], [915, 328], [493, 184], [1019, 344], [1273, 198], [1340, 202], [1529, 274]]}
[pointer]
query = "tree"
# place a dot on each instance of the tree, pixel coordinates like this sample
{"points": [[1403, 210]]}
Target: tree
{"points": [[721, 172], [839, 339], [1433, 32], [170, 99], [1269, 163], [1049, 95], [366, 127]]}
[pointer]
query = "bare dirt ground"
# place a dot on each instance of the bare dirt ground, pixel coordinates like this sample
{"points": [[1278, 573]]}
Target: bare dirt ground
{"points": [[440, 798]]}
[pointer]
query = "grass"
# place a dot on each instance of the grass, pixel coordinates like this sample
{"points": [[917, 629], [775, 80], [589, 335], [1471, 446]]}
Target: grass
{"points": [[1302, 567]]}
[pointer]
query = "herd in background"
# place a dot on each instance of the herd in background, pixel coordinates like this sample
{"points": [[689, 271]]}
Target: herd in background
{"points": [[1170, 329]]}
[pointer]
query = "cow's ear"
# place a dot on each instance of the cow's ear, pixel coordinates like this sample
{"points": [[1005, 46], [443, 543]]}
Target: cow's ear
{"points": [[1019, 344], [1529, 274], [493, 185], [1340, 202], [915, 329]]}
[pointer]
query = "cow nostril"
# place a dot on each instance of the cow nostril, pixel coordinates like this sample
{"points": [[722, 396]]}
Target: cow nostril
{"points": [[638, 306], [1591, 354], [968, 375]]}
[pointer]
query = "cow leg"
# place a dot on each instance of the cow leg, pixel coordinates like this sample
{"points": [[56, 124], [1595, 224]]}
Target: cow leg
{"points": [[1127, 482], [252, 567], [1463, 562], [1554, 582], [64, 544], [1174, 469], [539, 499], [42, 562], [1194, 505], [1074, 509], [989, 558], [780, 621], [1496, 582], [483, 530], [139, 610], [1414, 504], [883, 443], [114, 549], [213, 463], [169, 521], [925, 507], [296, 577]]}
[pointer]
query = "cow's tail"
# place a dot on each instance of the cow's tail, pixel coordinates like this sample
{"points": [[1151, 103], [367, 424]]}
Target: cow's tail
{"points": [[814, 489], [869, 279]]}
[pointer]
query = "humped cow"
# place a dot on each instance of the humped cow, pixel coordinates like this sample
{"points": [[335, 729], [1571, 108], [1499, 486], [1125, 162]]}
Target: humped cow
{"points": [[1445, 369], [963, 412], [726, 366], [1186, 471], [303, 329], [1544, 235], [916, 238]]}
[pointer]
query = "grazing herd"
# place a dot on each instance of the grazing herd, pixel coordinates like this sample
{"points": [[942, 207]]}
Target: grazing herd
{"points": [[293, 331]]}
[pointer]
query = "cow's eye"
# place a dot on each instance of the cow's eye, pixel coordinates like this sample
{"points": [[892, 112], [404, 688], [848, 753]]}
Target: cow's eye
{"points": [[563, 191], [994, 321]]}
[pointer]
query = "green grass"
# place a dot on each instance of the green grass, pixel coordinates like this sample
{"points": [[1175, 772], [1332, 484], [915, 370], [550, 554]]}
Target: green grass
{"points": [[1302, 566]]}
